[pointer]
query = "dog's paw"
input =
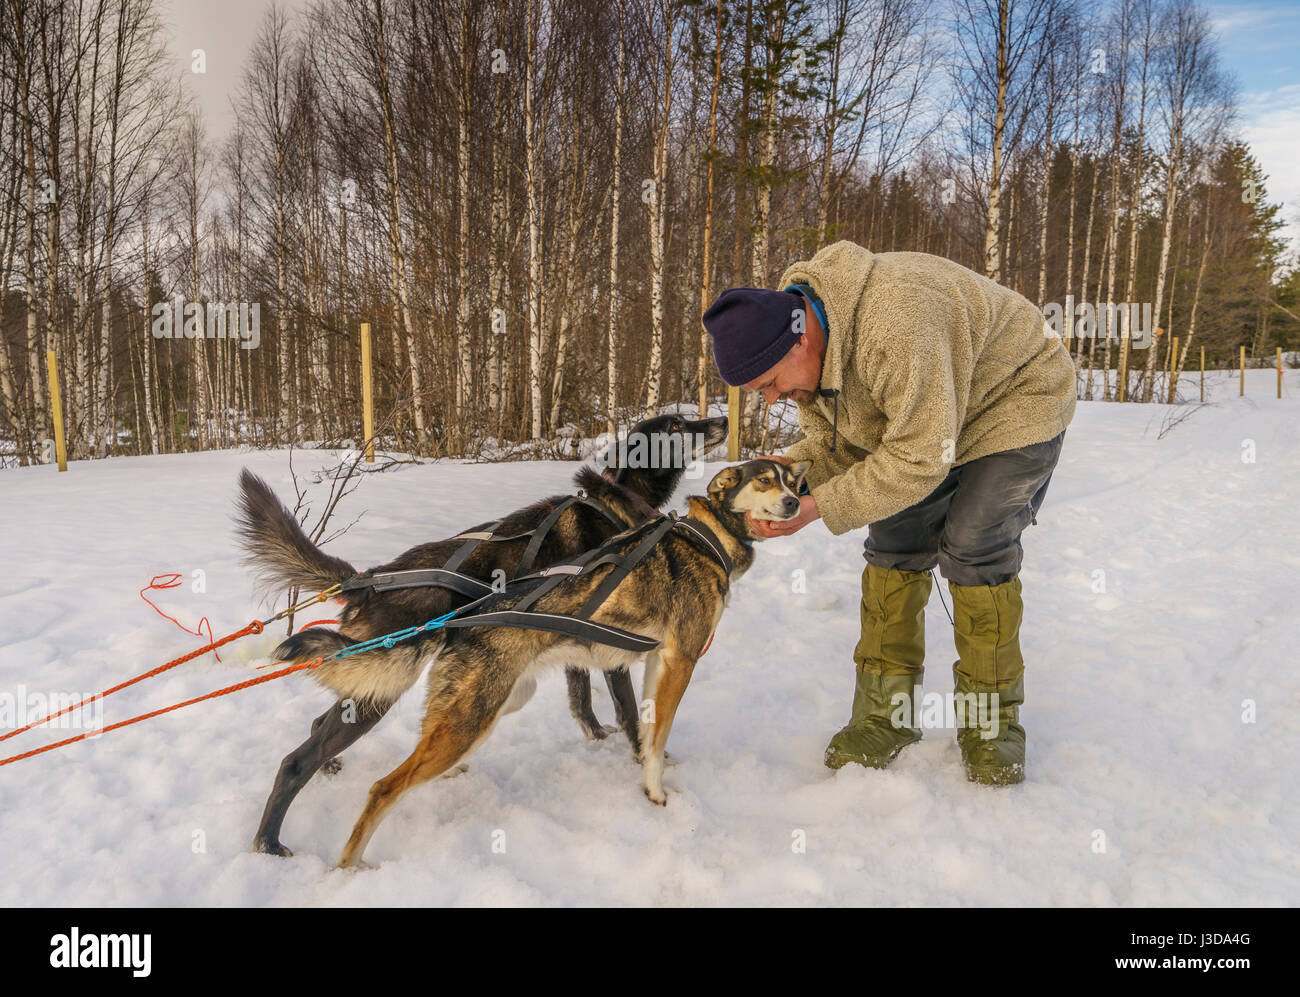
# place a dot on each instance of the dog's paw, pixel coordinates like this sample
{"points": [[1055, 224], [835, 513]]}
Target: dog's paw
{"points": [[269, 847], [332, 767], [360, 865], [451, 773], [657, 797]]}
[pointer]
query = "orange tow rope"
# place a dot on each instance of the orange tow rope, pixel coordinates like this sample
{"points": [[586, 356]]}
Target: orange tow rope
{"points": [[255, 627], [166, 709]]}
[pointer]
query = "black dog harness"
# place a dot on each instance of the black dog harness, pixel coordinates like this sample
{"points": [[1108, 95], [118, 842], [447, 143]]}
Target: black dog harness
{"points": [[649, 535], [521, 615], [450, 577]]}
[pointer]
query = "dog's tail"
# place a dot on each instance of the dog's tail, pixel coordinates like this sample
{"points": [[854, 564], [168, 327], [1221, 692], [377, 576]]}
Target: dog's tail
{"points": [[276, 546], [380, 676]]}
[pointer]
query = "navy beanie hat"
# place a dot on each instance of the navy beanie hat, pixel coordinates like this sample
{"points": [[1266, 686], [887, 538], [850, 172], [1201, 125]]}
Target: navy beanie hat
{"points": [[751, 331]]}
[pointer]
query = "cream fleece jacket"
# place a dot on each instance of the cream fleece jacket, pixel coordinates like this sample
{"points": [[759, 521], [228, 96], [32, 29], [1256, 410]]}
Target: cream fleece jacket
{"points": [[935, 365]]}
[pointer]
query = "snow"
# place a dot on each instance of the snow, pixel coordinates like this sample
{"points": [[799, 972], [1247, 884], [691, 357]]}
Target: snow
{"points": [[1145, 786]]}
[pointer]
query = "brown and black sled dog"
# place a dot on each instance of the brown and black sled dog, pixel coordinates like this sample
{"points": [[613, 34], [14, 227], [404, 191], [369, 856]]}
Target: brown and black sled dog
{"points": [[645, 469], [670, 587]]}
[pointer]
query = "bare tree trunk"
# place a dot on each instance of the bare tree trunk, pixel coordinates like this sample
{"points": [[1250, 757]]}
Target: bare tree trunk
{"points": [[532, 183], [1112, 233], [1190, 83], [1130, 284], [1087, 262], [1045, 196], [396, 249], [192, 181], [702, 364], [8, 387], [35, 349], [830, 115], [992, 225], [496, 238], [147, 360], [658, 211], [1196, 299], [611, 389], [464, 337], [567, 279], [1069, 239]]}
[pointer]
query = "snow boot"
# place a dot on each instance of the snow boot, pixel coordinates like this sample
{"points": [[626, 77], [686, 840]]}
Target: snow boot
{"points": [[889, 659], [986, 626]]}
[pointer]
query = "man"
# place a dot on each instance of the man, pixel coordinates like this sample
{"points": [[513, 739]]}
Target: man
{"points": [[933, 404]]}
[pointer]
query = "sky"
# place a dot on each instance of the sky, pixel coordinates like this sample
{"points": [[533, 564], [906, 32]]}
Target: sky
{"points": [[225, 31], [1259, 45]]}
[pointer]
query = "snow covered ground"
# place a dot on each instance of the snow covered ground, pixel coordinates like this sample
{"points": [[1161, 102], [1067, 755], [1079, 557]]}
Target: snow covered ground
{"points": [[1145, 784]]}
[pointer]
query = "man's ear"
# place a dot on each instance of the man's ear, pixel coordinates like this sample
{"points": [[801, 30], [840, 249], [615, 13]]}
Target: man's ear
{"points": [[728, 477]]}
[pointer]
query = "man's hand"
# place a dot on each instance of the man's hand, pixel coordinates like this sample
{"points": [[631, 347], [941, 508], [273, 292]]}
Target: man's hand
{"points": [[769, 528]]}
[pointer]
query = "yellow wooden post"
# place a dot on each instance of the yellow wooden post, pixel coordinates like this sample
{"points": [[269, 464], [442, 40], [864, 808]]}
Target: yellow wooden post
{"points": [[56, 407], [1169, 378], [1243, 371], [1279, 372], [733, 424], [367, 395], [1202, 373]]}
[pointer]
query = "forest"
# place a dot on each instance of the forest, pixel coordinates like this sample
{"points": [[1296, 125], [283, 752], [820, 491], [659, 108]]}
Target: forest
{"points": [[531, 202]]}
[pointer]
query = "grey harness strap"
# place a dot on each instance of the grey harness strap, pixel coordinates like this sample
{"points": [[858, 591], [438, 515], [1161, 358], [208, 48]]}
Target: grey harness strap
{"points": [[540, 535], [569, 626], [472, 540], [449, 575], [422, 578]]}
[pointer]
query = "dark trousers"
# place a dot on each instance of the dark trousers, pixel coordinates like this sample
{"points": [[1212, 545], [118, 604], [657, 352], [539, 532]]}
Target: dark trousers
{"points": [[970, 525]]}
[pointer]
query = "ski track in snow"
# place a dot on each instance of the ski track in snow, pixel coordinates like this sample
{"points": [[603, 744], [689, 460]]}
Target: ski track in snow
{"points": [[1134, 705]]}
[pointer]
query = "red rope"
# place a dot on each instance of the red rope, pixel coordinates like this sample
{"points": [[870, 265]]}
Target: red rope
{"points": [[170, 581], [314, 623], [166, 582], [247, 684], [253, 628]]}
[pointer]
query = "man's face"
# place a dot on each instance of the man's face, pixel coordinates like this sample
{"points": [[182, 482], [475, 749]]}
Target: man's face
{"points": [[796, 375]]}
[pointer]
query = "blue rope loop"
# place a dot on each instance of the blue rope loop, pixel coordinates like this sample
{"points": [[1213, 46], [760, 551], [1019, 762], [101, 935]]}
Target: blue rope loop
{"points": [[388, 640], [439, 622]]}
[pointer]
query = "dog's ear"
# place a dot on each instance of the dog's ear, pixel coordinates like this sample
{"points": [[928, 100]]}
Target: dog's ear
{"points": [[799, 468], [728, 477]]}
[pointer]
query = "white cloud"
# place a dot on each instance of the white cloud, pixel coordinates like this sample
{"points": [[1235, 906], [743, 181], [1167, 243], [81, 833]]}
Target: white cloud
{"points": [[1256, 17], [1270, 124]]}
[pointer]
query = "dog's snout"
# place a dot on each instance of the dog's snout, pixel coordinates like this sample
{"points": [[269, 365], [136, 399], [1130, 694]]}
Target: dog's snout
{"points": [[790, 504]]}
